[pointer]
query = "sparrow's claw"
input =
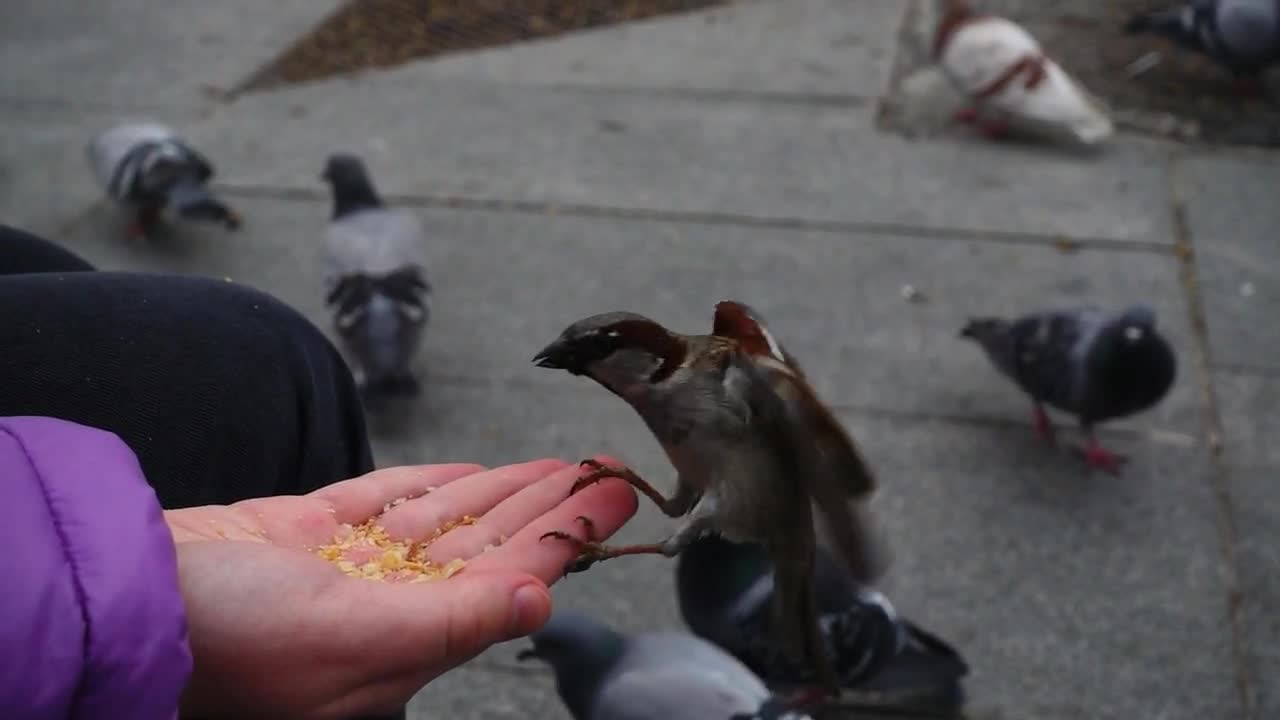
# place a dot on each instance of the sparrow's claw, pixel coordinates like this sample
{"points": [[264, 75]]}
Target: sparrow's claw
{"points": [[600, 471], [591, 552], [1100, 458]]}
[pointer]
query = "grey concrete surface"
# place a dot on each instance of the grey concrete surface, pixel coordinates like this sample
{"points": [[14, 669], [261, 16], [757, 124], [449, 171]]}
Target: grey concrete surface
{"points": [[806, 47], [561, 178], [1239, 261], [140, 53], [814, 163]]}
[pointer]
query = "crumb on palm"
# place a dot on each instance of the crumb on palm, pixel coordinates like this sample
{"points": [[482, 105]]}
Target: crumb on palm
{"points": [[367, 551]]}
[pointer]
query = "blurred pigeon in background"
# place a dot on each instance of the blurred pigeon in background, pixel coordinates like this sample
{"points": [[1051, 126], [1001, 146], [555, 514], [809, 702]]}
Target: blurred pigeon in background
{"points": [[1242, 35], [1094, 364], [602, 674], [148, 167], [724, 591], [376, 279], [1012, 83]]}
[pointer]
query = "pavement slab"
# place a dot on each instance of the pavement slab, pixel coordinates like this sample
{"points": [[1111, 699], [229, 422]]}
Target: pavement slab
{"points": [[606, 148], [823, 48], [1230, 201], [1247, 403], [178, 53]]}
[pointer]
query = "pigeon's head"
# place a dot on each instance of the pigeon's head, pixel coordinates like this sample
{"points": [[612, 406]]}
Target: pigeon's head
{"points": [[571, 638], [352, 188], [1135, 325], [581, 651]]}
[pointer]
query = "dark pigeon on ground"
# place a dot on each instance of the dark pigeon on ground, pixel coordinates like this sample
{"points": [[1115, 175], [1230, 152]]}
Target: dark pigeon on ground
{"points": [[1097, 365], [1242, 35], [602, 674], [147, 167], [885, 662], [376, 280]]}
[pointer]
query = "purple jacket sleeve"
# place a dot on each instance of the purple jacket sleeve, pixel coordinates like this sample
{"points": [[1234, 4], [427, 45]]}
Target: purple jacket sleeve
{"points": [[93, 624]]}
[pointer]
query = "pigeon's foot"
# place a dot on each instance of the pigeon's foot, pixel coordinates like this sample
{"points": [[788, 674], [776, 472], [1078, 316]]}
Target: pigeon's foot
{"points": [[135, 232], [1044, 427], [591, 552], [1244, 86], [1100, 458], [966, 116]]}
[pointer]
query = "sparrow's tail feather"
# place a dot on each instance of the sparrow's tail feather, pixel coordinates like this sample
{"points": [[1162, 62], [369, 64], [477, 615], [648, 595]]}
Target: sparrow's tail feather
{"points": [[795, 618]]}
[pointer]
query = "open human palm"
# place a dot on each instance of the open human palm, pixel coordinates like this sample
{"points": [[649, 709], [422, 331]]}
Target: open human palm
{"points": [[276, 631]]}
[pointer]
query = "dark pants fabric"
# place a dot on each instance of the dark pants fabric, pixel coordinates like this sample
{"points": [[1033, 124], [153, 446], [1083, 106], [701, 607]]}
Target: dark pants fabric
{"points": [[223, 392]]}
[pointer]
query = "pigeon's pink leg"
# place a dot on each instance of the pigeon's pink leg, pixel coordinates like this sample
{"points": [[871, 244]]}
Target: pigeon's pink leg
{"points": [[1044, 427], [993, 129], [967, 115], [1100, 458]]}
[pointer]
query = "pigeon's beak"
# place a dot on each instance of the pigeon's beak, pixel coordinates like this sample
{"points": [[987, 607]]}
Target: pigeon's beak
{"points": [[527, 654]]}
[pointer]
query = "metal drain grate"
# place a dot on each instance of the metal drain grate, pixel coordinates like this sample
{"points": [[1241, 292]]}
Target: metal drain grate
{"points": [[384, 33]]}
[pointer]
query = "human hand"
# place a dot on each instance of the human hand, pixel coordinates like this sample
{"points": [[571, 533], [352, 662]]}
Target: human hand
{"points": [[278, 632]]}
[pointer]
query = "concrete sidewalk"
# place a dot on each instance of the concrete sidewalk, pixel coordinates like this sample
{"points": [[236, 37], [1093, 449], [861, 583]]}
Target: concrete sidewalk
{"points": [[668, 164]]}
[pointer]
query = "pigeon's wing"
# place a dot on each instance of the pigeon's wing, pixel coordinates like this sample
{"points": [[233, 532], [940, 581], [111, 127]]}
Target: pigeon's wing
{"points": [[674, 676], [1047, 353], [374, 242], [837, 477]]}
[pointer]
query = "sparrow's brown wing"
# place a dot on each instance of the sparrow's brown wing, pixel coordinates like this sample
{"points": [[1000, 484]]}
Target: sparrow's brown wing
{"points": [[836, 477]]}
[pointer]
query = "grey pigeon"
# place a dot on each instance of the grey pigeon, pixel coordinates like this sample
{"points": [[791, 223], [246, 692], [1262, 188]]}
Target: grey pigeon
{"points": [[1243, 35], [602, 674], [724, 590], [376, 279], [148, 167], [1097, 365]]}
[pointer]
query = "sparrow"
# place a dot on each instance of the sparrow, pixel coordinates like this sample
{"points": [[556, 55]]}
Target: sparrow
{"points": [[754, 450], [148, 167], [1241, 35], [1097, 365], [376, 281], [602, 674], [1011, 81]]}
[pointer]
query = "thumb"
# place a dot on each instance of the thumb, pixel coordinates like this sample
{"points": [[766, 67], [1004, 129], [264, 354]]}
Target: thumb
{"points": [[472, 612]]}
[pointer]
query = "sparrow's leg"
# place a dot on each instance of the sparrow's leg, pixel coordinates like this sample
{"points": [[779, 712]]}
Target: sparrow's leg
{"points": [[674, 506], [590, 552], [1044, 427], [1100, 458]]}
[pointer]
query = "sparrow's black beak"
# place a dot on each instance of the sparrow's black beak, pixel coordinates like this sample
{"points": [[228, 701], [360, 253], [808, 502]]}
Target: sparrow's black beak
{"points": [[527, 653], [555, 357]]}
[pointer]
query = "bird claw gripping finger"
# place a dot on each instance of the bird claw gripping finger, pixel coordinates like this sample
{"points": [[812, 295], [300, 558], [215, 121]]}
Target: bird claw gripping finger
{"points": [[599, 471], [591, 552]]}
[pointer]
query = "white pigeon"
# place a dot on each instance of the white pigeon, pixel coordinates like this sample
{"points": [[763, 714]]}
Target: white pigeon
{"points": [[1012, 83], [147, 167], [375, 279]]}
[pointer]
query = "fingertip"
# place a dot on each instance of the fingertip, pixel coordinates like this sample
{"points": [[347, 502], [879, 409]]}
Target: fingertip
{"points": [[531, 607]]}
